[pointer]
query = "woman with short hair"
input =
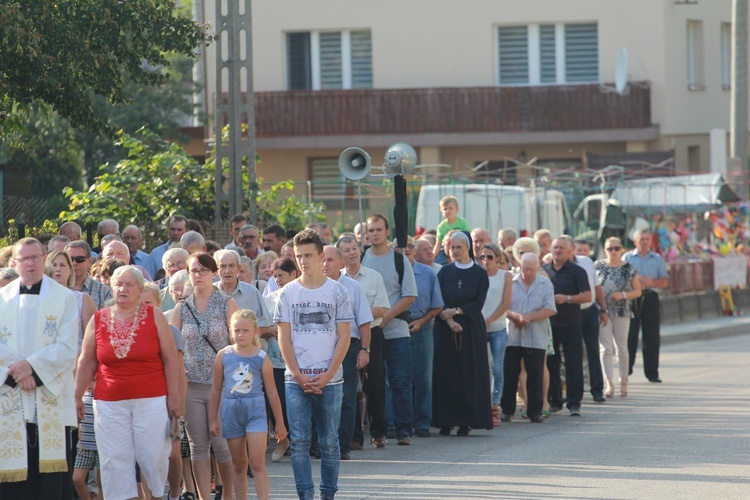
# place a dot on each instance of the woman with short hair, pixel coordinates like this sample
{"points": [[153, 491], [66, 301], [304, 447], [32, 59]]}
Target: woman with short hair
{"points": [[262, 265], [130, 348]]}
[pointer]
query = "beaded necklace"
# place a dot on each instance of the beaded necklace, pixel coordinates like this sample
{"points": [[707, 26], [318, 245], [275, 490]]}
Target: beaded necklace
{"points": [[122, 343]]}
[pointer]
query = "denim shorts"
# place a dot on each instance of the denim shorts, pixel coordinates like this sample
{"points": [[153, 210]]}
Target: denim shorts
{"points": [[240, 416]]}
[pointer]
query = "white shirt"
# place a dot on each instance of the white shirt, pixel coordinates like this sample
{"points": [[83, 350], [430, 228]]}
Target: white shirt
{"points": [[372, 284], [588, 265]]}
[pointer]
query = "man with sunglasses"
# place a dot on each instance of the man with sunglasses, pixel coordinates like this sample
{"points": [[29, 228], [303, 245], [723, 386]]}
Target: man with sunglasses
{"points": [[80, 254], [653, 275]]}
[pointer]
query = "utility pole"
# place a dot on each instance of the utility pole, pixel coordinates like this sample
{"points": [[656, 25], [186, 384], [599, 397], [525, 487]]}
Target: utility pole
{"points": [[234, 67], [739, 96]]}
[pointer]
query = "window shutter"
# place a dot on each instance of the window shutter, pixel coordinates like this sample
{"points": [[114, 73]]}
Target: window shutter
{"points": [[513, 50], [330, 60], [581, 53], [548, 73], [328, 182], [298, 61], [361, 43]]}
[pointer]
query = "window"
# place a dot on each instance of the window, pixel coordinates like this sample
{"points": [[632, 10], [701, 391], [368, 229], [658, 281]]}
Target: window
{"points": [[726, 56], [694, 158], [330, 186], [695, 55], [548, 54], [319, 60]]}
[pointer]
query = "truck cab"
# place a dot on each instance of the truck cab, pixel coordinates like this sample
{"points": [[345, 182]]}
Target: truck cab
{"points": [[597, 218]]}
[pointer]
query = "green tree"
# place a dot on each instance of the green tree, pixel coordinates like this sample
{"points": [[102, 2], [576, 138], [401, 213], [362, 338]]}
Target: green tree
{"points": [[159, 178], [65, 52], [156, 179], [162, 110], [50, 155]]}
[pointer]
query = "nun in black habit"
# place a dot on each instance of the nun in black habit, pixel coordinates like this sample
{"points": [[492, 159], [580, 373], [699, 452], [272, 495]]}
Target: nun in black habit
{"points": [[460, 376]]}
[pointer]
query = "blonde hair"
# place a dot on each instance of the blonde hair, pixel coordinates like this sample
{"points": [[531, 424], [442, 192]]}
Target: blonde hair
{"points": [[248, 315], [611, 239], [448, 199], [51, 258], [153, 288]]}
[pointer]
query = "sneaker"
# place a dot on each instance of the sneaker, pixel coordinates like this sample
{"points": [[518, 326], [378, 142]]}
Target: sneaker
{"points": [[505, 417], [554, 409], [404, 440], [281, 448], [598, 398], [536, 419], [345, 455], [378, 442], [445, 430], [422, 433], [575, 412], [187, 495]]}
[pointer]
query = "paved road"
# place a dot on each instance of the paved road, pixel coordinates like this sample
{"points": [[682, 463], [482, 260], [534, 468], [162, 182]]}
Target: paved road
{"points": [[686, 438]]}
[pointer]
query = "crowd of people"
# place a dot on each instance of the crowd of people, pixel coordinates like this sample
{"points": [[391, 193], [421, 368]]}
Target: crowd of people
{"points": [[171, 367]]}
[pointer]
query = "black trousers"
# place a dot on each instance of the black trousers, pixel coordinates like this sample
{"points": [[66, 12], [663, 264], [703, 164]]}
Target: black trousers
{"points": [[567, 339], [373, 383], [650, 320], [590, 330], [533, 360], [42, 486]]}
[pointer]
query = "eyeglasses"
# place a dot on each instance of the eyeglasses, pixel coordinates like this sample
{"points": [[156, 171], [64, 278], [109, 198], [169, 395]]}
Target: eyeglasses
{"points": [[410, 246], [202, 271], [487, 257], [79, 260], [31, 259], [248, 237], [614, 249]]}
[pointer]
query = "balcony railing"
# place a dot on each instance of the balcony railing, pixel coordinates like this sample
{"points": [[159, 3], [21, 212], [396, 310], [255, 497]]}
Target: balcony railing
{"points": [[450, 110]]}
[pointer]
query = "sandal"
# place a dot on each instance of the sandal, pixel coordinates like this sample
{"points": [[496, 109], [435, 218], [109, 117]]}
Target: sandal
{"points": [[496, 417]]}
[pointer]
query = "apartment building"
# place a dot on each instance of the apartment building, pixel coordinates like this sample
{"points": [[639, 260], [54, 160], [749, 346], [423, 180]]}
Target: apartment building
{"points": [[472, 81]]}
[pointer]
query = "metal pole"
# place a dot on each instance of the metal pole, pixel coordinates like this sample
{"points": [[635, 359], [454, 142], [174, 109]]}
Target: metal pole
{"points": [[739, 95]]}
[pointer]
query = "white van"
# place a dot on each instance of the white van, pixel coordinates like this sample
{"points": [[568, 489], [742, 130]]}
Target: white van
{"points": [[495, 207]]}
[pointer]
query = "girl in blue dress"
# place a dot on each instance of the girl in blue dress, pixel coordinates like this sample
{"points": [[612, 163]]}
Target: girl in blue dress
{"points": [[242, 372]]}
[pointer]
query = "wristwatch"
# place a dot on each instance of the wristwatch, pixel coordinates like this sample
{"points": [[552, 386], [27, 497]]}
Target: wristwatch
{"points": [[602, 311], [365, 349], [568, 299]]}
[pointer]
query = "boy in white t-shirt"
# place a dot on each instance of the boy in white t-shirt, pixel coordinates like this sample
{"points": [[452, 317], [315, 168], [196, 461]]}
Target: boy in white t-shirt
{"points": [[313, 316]]}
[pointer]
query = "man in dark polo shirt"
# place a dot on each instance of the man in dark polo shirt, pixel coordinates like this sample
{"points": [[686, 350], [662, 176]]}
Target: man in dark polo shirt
{"points": [[571, 290]]}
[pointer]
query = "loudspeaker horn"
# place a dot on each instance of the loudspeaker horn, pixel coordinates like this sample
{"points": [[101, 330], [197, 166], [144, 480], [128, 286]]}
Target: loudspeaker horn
{"points": [[400, 159], [354, 163]]}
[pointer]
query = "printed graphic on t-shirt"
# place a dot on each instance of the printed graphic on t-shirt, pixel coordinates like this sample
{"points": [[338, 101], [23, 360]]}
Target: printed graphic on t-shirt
{"points": [[313, 315], [243, 379]]}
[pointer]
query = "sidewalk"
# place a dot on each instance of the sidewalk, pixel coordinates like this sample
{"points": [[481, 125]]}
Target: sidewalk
{"points": [[722, 326]]}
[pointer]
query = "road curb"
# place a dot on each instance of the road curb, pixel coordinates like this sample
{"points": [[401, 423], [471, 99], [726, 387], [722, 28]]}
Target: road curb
{"points": [[729, 331]]}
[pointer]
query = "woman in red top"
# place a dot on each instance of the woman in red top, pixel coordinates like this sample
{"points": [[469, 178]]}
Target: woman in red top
{"points": [[130, 349]]}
